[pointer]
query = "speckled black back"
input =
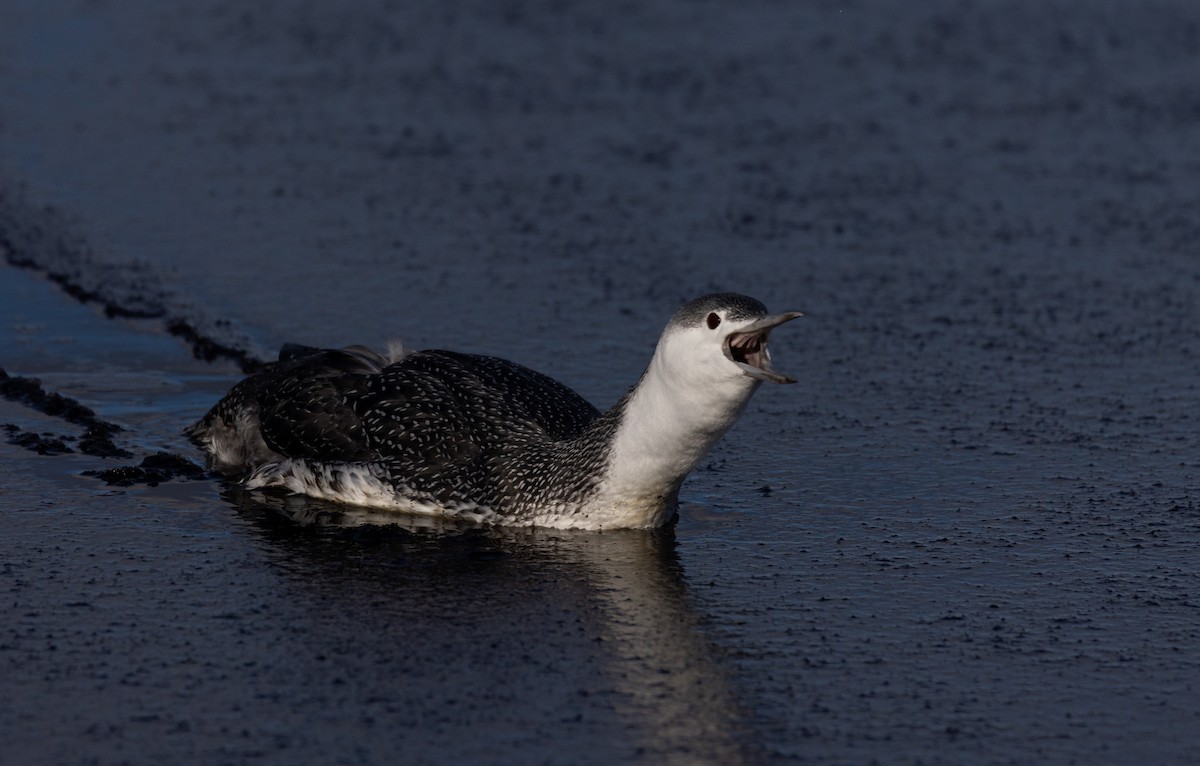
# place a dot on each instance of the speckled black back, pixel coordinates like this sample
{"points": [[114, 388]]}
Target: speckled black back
{"points": [[455, 427]]}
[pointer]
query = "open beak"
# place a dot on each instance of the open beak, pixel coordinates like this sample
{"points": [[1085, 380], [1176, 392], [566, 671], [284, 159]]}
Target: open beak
{"points": [[747, 348]]}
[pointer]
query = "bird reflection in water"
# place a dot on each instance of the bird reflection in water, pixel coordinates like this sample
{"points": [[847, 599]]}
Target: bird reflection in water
{"points": [[608, 611]]}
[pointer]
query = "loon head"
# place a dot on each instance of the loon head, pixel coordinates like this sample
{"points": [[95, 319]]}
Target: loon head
{"points": [[711, 358], [719, 342]]}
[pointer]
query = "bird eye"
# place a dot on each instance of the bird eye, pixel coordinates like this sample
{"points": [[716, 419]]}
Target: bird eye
{"points": [[713, 321]]}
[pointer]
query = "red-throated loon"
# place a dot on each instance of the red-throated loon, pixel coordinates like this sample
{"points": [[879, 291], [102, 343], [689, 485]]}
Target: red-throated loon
{"points": [[438, 432]]}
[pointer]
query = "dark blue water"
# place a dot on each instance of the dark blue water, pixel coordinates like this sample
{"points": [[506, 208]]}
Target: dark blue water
{"points": [[967, 535]]}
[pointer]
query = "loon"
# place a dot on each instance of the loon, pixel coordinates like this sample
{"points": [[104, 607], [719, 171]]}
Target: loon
{"points": [[488, 440]]}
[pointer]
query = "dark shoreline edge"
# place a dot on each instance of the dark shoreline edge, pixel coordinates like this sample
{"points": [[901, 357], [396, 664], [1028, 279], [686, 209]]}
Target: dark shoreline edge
{"points": [[96, 440], [97, 436], [44, 239]]}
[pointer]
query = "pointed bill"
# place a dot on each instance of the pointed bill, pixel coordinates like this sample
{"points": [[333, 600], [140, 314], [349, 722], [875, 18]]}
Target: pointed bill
{"points": [[747, 348]]}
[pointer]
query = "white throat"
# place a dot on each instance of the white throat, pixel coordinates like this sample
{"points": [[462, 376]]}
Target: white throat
{"points": [[671, 421]]}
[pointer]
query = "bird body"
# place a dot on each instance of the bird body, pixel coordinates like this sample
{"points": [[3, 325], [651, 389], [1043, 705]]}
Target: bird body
{"points": [[482, 438]]}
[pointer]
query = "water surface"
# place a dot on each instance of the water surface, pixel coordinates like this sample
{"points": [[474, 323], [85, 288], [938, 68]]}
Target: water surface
{"points": [[967, 534]]}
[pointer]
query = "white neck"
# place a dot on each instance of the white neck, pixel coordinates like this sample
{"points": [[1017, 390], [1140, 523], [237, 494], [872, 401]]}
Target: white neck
{"points": [[669, 424]]}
